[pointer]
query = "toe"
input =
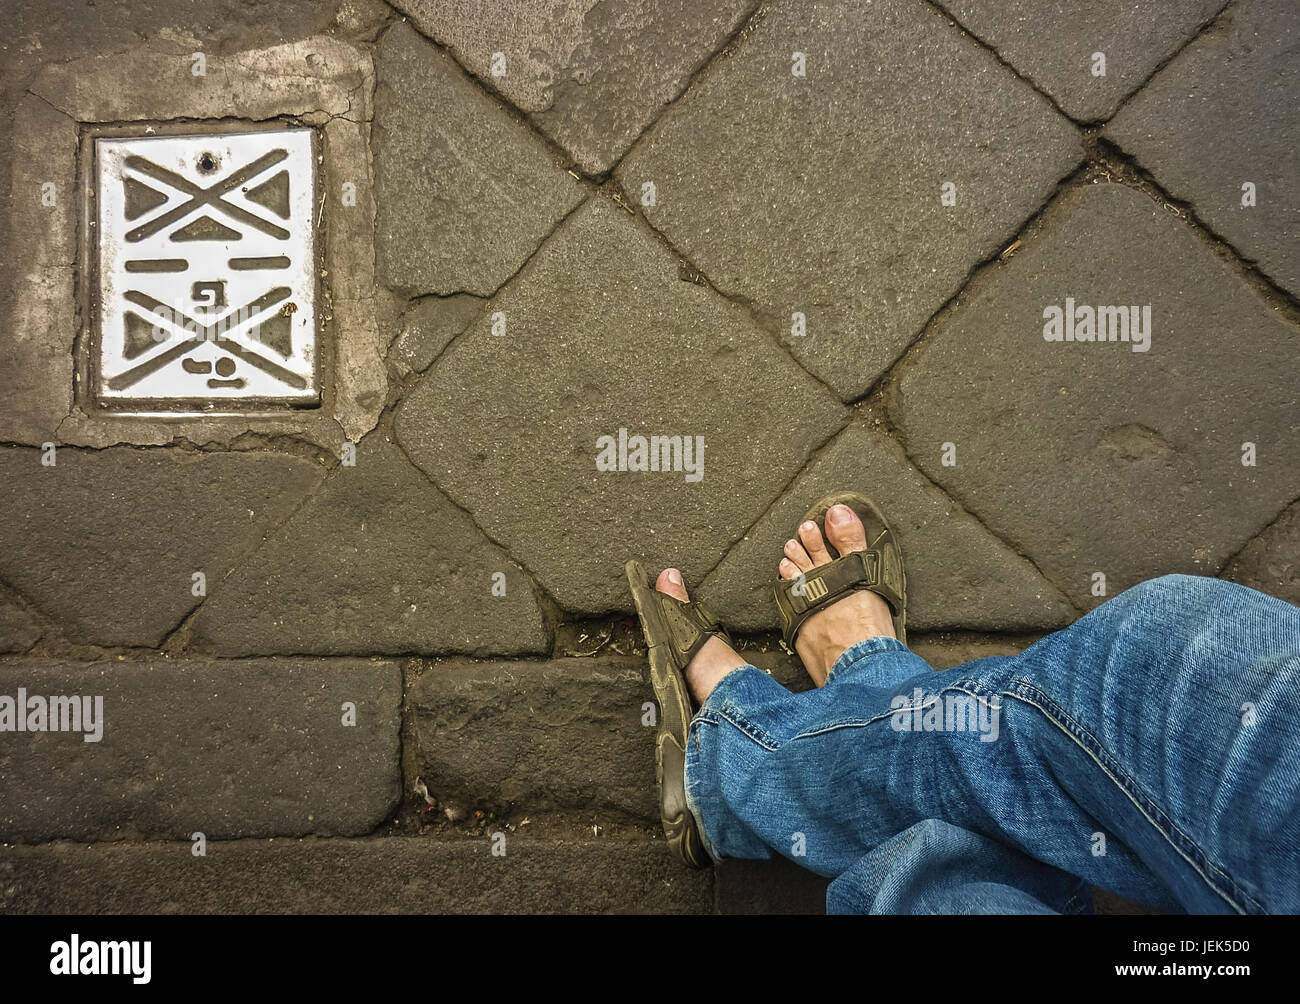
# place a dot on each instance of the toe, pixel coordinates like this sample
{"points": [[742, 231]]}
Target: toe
{"points": [[811, 536], [845, 529], [788, 569], [670, 582], [794, 552]]}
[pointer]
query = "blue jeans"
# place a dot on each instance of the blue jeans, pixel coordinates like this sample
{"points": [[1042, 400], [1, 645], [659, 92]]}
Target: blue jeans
{"points": [[1152, 748]]}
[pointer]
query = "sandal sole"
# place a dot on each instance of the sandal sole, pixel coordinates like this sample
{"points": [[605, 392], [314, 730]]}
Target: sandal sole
{"points": [[680, 827]]}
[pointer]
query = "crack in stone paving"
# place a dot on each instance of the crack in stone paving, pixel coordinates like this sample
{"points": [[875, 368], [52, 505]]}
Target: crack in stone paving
{"points": [[1102, 159], [565, 159], [1120, 167], [724, 51], [821, 448], [1211, 23], [65, 114], [1228, 561], [1027, 231], [547, 603], [551, 610], [992, 50], [487, 300], [698, 276], [177, 640], [1015, 548]]}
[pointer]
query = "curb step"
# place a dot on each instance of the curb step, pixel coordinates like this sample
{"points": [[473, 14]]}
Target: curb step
{"points": [[380, 875]]}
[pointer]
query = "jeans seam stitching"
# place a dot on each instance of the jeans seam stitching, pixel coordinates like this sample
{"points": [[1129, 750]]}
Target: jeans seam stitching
{"points": [[965, 686], [1130, 789], [692, 803], [858, 723], [746, 727]]}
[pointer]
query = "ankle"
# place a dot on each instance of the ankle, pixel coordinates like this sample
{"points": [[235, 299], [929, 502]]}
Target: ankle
{"points": [[712, 662], [827, 636]]}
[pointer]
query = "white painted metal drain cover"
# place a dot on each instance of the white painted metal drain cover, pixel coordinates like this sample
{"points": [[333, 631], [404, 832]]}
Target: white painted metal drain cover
{"points": [[207, 274]]}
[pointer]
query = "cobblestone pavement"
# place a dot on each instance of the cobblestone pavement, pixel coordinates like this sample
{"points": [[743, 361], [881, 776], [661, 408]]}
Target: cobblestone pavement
{"points": [[1027, 273]]}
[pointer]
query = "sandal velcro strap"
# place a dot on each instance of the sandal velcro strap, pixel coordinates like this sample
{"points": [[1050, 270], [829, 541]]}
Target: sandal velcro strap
{"points": [[799, 598], [689, 625]]}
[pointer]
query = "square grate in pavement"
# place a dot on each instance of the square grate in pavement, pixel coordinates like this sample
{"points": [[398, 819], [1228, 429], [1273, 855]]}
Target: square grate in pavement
{"points": [[206, 272]]}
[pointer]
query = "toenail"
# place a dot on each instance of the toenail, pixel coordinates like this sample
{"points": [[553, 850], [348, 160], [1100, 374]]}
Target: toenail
{"points": [[674, 576], [808, 525], [839, 513]]}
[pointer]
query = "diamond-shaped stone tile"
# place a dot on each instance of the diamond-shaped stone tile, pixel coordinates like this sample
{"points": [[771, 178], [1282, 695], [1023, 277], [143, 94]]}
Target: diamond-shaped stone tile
{"points": [[1052, 42], [465, 192], [1226, 115], [592, 74], [1089, 456], [822, 195], [958, 574], [106, 543], [376, 561], [600, 334]]}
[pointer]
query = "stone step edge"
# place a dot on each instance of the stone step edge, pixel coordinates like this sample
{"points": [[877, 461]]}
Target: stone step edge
{"points": [[352, 875]]}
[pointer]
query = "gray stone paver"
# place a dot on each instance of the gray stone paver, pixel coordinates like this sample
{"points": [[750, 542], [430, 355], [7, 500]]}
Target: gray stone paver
{"points": [[1091, 457], [958, 574], [591, 73], [106, 543], [465, 193], [378, 561], [1052, 43], [35, 31], [227, 749], [601, 335], [524, 735], [821, 195], [1204, 130]]}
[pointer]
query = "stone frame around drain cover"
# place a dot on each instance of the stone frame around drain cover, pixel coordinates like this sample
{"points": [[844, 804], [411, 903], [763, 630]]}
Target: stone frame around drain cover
{"points": [[319, 82], [90, 378]]}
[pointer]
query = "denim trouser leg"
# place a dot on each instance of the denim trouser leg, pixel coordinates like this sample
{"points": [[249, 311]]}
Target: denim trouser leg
{"points": [[935, 867], [1151, 748]]}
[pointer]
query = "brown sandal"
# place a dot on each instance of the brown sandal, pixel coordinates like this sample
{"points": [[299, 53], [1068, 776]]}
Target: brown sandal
{"points": [[879, 568], [675, 631]]}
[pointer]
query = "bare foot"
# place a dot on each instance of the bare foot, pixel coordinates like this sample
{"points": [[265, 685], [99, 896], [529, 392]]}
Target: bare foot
{"points": [[857, 616], [714, 660]]}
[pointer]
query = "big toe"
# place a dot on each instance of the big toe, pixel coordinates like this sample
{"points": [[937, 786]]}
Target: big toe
{"points": [[845, 530], [670, 582]]}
